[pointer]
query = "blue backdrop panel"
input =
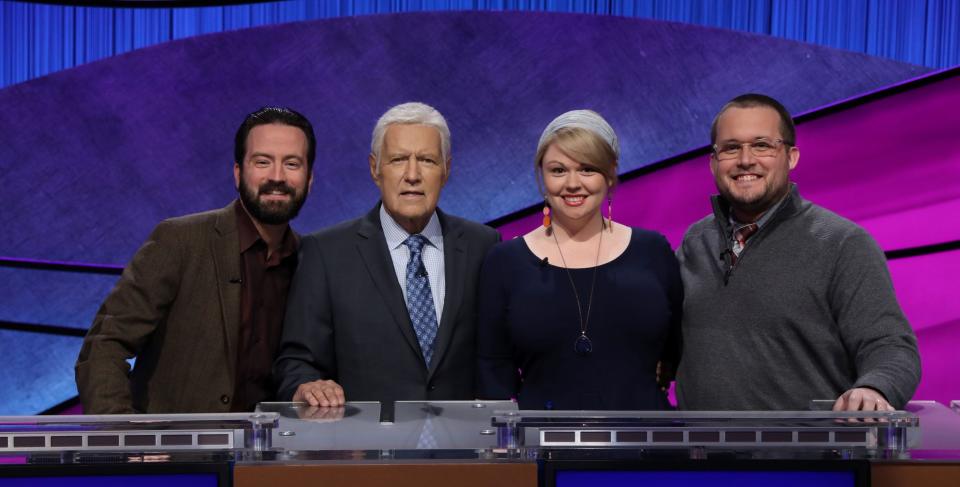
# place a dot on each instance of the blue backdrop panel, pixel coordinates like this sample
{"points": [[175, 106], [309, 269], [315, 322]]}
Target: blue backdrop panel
{"points": [[36, 39], [106, 150], [51, 297], [38, 371]]}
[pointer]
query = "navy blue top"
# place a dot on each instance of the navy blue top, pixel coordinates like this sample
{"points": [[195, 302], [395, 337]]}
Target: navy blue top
{"points": [[528, 324]]}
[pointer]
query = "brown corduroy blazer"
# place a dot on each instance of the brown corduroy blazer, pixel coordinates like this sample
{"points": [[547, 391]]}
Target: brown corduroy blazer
{"points": [[176, 308]]}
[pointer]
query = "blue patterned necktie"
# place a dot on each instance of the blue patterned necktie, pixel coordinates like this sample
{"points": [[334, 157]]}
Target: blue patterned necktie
{"points": [[427, 440], [423, 315]]}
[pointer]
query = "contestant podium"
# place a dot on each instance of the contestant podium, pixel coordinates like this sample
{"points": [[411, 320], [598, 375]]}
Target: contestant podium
{"points": [[485, 443]]}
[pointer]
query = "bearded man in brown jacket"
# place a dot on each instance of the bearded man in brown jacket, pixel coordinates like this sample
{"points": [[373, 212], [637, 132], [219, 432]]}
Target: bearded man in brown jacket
{"points": [[200, 305]]}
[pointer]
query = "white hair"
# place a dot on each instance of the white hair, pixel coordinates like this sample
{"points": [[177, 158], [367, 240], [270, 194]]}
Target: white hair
{"points": [[412, 113]]}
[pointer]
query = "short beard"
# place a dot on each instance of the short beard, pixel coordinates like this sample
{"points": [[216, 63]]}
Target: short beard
{"points": [[755, 206], [274, 212]]}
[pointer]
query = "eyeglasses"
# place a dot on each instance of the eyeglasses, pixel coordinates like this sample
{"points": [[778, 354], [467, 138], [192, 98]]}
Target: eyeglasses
{"points": [[759, 148]]}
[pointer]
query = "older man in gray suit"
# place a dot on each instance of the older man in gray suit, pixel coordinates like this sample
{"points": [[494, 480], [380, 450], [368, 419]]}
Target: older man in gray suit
{"points": [[384, 307]]}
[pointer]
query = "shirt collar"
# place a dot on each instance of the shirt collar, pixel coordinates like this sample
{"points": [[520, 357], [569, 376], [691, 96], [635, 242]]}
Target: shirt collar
{"points": [[248, 235], [763, 218], [396, 235]]}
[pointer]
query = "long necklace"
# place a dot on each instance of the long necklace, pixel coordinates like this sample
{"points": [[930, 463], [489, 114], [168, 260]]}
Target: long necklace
{"points": [[582, 345]]}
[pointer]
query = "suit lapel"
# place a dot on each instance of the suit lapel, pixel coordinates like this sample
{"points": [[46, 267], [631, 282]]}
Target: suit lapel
{"points": [[376, 257], [454, 267], [225, 247]]}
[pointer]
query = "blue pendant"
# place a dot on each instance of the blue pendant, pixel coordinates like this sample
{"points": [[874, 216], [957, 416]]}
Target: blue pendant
{"points": [[583, 345]]}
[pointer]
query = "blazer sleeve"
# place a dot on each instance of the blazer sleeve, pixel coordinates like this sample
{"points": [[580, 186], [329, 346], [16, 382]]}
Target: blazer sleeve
{"points": [[133, 310], [672, 347], [307, 349], [497, 374]]}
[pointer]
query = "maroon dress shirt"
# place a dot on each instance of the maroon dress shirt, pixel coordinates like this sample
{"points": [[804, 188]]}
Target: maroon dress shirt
{"points": [[263, 299]]}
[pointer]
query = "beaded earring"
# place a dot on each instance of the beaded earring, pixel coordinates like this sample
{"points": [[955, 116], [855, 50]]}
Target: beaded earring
{"points": [[546, 215], [610, 213]]}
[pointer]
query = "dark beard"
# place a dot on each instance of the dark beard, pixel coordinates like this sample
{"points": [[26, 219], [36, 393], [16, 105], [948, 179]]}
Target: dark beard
{"points": [[756, 206], [273, 212]]}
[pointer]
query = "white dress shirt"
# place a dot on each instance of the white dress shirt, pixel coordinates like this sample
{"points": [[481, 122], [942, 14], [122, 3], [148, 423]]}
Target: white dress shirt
{"points": [[432, 255]]}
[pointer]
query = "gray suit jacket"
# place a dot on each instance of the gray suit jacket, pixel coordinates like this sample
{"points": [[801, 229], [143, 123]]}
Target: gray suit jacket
{"points": [[176, 308], [347, 320]]}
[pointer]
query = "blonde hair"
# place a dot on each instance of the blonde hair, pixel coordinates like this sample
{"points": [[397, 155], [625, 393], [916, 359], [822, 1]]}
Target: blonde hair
{"points": [[582, 145]]}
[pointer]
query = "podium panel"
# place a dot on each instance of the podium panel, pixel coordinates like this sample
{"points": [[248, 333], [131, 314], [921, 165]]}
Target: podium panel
{"points": [[485, 443], [419, 474], [915, 474], [730, 473]]}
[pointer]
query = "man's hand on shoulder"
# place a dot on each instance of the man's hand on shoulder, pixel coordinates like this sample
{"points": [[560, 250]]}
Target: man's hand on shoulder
{"points": [[862, 399], [320, 393]]}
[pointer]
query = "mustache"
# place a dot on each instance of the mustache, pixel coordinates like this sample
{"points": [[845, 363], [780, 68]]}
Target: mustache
{"points": [[271, 186]]}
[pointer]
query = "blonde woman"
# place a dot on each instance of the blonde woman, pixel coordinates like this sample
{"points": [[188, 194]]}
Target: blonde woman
{"points": [[580, 312]]}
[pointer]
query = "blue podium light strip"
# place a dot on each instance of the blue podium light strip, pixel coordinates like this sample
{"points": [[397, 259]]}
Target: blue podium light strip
{"points": [[678, 478], [154, 480]]}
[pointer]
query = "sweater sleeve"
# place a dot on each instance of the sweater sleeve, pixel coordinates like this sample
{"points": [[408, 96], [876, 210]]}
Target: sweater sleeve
{"points": [[873, 328]]}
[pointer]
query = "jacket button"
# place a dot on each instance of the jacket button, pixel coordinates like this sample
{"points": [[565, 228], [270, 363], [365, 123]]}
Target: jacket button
{"points": [[225, 399], [431, 387]]}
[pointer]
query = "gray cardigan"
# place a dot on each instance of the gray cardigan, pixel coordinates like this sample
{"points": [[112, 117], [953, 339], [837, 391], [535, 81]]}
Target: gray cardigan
{"points": [[808, 312]]}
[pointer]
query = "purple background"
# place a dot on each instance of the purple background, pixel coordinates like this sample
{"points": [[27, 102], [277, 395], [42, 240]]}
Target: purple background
{"points": [[93, 157], [106, 150], [893, 166]]}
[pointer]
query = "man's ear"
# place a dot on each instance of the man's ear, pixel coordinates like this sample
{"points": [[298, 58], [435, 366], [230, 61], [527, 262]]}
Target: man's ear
{"points": [[374, 174], [236, 176], [446, 172]]}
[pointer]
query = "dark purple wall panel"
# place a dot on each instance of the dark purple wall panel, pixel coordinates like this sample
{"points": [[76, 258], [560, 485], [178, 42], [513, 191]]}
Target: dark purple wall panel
{"points": [[104, 151], [93, 157], [892, 165], [51, 297]]}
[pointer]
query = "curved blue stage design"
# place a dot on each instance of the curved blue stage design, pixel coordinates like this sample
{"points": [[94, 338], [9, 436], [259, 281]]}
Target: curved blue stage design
{"points": [[104, 151], [122, 143]]}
